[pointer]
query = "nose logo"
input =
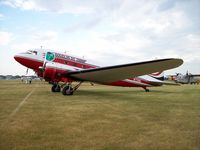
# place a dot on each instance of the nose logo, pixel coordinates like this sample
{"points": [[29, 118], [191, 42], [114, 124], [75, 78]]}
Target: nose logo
{"points": [[50, 56]]}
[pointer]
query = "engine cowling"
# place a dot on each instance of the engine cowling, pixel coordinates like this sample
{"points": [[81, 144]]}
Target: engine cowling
{"points": [[49, 74], [53, 73]]}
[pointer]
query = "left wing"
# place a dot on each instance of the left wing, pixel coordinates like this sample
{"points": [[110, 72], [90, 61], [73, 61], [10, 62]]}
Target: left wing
{"points": [[119, 72]]}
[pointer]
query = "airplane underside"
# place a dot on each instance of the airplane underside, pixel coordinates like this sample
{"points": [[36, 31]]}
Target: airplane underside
{"points": [[64, 84], [68, 88]]}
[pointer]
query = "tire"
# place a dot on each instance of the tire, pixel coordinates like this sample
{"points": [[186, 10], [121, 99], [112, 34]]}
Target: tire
{"points": [[67, 90], [147, 90], [55, 88]]}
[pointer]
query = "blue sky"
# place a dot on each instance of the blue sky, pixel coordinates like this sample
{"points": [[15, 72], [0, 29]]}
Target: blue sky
{"points": [[106, 32]]}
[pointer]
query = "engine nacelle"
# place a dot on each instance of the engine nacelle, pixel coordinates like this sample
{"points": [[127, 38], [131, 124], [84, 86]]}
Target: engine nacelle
{"points": [[54, 73], [49, 74]]}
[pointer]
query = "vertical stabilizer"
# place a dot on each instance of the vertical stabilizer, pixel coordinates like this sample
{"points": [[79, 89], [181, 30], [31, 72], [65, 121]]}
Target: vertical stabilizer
{"points": [[158, 75]]}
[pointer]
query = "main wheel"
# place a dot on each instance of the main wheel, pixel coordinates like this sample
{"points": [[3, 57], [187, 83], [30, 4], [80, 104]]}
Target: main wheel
{"points": [[67, 90], [55, 88]]}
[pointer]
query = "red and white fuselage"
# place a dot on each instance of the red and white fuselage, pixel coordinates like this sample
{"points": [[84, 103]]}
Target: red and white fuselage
{"points": [[35, 59]]}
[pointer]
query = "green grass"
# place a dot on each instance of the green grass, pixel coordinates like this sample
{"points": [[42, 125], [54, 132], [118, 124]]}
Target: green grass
{"points": [[99, 117]]}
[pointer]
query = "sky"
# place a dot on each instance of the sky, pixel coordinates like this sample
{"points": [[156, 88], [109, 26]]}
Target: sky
{"points": [[105, 32]]}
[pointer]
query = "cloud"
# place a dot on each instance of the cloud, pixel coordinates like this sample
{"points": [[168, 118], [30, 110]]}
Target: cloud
{"points": [[23, 4], [5, 37], [35, 39], [117, 31], [45, 36], [129, 14], [166, 5], [2, 16], [59, 6], [75, 7], [143, 29], [87, 24]]}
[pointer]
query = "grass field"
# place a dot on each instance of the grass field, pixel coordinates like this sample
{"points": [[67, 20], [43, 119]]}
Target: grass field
{"points": [[99, 117]]}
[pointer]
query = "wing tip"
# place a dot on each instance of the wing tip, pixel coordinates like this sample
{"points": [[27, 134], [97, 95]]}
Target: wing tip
{"points": [[178, 61]]}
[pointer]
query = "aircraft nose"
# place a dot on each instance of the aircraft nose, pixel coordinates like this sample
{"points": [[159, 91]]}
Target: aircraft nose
{"points": [[19, 58], [16, 57]]}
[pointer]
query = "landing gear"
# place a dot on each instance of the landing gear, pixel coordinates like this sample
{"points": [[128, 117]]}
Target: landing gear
{"points": [[146, 90], [69, 90], [55, 88]]}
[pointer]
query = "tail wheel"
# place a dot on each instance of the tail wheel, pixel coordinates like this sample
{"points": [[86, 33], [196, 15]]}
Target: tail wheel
{"points": [[67, 90], [146, 90]]}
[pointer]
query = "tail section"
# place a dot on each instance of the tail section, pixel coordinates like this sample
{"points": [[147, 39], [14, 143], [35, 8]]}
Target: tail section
{"points": [[158, 75]]}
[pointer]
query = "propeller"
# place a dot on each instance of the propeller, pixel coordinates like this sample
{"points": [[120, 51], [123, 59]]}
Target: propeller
{"points": [[42, 68], [26, 71], [187, 73]]}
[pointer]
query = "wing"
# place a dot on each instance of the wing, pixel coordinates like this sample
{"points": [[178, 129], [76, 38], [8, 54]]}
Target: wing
{"points": [[110, 74]]}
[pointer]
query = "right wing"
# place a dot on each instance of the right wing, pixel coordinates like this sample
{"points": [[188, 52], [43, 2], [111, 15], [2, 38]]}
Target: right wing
{"points": [[119, 72]]}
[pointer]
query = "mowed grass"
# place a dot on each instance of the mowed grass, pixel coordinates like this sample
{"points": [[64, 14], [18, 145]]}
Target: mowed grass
{"points": [[99, 117]]}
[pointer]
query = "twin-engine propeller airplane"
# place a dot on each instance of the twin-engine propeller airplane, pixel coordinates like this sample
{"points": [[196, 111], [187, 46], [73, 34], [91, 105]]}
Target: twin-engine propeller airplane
{"points": [[57, 67], [188, 78]]}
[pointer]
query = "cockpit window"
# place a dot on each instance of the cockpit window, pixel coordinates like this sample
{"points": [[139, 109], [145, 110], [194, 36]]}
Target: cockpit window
{"points": [[32, 52]]}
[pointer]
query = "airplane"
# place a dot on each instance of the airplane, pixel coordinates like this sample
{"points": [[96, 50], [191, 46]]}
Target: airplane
{"points": [[27, 79], [57, 68], [188, 78]]}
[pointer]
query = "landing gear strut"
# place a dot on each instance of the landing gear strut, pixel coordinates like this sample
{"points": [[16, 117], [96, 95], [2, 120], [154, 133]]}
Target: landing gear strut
{"points": [[69, 90], [146, 90]]}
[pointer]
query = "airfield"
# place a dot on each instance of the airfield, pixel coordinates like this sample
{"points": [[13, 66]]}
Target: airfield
{"points": [[99, 117]]}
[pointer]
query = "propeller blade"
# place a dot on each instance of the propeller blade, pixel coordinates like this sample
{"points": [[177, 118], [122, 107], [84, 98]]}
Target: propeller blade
{"points": [[26, 71]]}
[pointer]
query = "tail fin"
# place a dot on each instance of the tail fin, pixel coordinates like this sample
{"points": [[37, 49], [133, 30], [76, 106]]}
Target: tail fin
{"points": [[158, 75]]}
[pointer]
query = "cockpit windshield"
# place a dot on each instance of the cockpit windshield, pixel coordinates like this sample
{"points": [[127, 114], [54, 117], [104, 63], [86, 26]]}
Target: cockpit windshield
{"points": [[31, 52]]}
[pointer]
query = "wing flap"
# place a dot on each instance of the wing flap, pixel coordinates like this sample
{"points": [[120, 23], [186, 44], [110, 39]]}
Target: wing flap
{"points": [[119, 72]]}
